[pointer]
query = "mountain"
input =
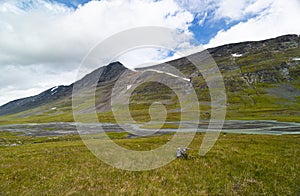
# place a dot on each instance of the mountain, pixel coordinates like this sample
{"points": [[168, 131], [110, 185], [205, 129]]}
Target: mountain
{"points": [[57, 93], [262, 81]]}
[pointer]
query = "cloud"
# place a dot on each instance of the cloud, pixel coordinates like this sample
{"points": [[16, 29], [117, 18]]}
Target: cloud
{"points": [[50, 32], [198, 6], [231, 10], [202, 20], [38, 36], [280, 18], [144, 57], [234, 10]]}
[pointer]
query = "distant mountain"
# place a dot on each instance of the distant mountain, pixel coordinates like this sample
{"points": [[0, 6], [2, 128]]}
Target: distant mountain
{"points": [[262, 81], [47, 96], [107, 73]]}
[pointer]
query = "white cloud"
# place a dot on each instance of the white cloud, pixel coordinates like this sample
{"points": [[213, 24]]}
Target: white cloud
{"points": [[199, 6], [143, 57], [51, 36], [231, 10], [235, 10], [202, 20], [282, 17], [49, 32]]}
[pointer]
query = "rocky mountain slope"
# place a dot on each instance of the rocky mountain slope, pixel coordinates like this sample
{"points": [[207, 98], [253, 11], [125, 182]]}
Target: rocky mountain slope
{"points": [[262, 81], [57, 93]]}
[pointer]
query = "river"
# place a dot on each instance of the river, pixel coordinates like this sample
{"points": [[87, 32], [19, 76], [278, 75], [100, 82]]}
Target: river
{"points": [[230, 126]]}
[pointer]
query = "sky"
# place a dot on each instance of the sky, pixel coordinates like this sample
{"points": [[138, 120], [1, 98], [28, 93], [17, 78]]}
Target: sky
{"points": [[43, 42]]}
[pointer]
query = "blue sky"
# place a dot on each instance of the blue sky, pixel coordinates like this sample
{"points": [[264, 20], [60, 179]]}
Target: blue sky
{"points": [[43, 42], [72, 3]]}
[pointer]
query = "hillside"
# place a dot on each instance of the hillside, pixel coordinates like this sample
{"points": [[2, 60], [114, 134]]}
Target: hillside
{"points": [[262, 81]]}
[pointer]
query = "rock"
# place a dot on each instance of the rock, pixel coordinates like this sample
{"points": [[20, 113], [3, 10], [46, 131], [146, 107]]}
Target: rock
{"points": [[182, 152]]}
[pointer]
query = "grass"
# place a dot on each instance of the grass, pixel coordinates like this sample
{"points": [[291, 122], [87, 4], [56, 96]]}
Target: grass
{"points": [[237, 165], [159, 126]]}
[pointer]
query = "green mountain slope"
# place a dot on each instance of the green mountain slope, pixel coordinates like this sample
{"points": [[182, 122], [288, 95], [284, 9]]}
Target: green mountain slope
{"points": [[262, 81]]}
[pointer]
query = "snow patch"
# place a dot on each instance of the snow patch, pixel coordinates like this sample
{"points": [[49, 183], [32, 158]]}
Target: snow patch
{"points": [[237, 55], [173, 75], [296, 59], [53, 92], [54, 88], [128, 87], [53, 108]]}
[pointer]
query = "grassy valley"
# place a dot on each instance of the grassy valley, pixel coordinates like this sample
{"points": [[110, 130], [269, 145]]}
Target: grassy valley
{"points": [[237, 165]]}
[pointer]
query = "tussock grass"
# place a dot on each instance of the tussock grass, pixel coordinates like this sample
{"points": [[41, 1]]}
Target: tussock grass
{"points": [[237, 165]]}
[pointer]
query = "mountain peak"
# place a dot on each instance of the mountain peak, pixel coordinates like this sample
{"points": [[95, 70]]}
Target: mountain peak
{"points": [[116, 63], [112, 71]]}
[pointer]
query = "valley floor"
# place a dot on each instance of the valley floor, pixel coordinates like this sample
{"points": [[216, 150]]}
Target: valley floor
{"points": [[237, 165]]}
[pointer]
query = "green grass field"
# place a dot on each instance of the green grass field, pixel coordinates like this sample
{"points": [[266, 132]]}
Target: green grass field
{"points": [[237, 165]]}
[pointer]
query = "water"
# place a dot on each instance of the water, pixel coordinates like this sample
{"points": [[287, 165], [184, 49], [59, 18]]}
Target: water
{"points": [[232, 126]]}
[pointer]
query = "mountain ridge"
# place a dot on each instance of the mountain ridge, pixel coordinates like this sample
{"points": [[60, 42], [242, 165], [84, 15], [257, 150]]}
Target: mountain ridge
{"points": [[58, 92], [255, 69]]}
